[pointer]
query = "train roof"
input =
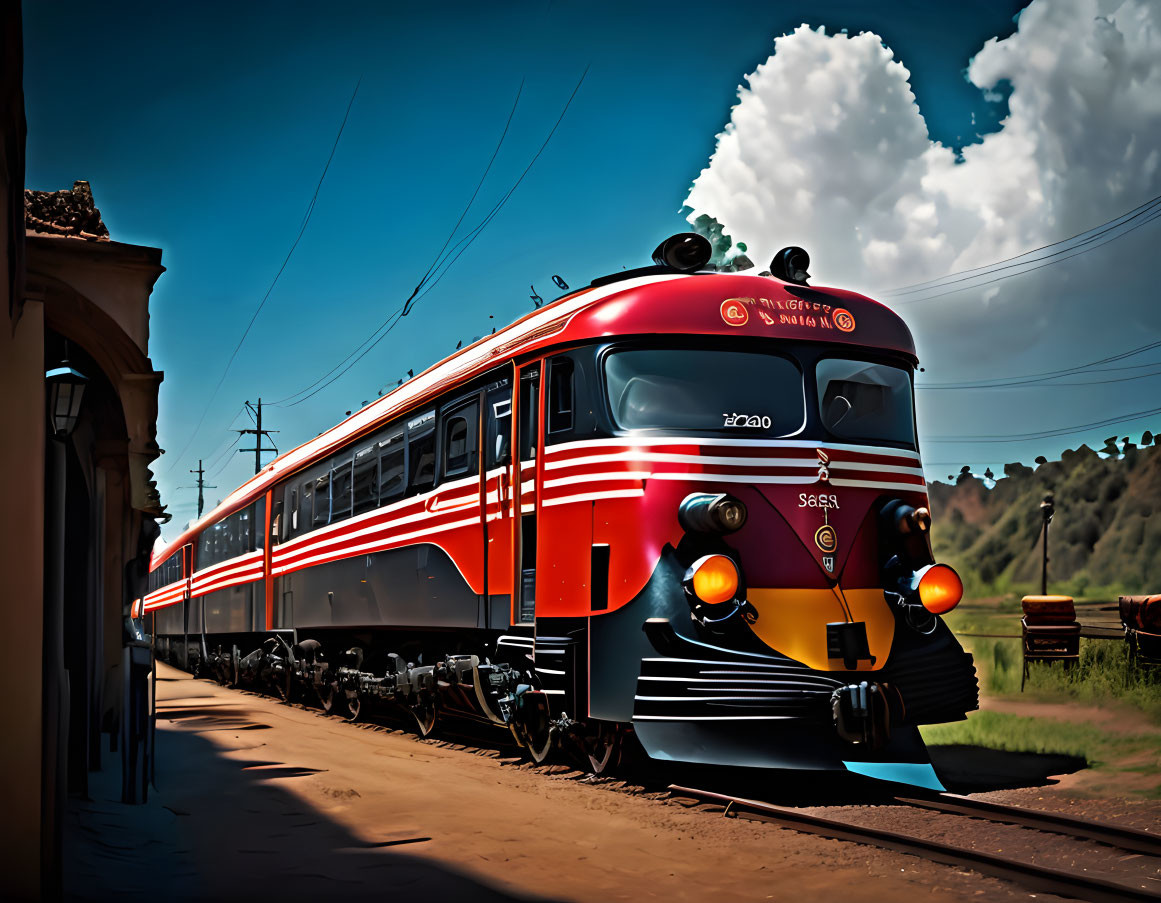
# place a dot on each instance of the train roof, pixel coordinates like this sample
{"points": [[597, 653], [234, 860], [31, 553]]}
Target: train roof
{"points": [[728, 304]]}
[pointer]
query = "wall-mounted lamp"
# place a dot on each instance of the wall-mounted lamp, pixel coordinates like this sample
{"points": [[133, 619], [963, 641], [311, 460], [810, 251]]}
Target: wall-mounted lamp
{"points": [[66, 388]]}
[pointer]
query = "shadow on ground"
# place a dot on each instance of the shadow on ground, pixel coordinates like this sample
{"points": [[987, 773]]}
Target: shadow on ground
{"points": [[218, 829], [972, 769]]}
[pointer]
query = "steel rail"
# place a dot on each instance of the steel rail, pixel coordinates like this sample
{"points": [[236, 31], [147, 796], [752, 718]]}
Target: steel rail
{"points": [[1038, 878], [1130, 839]]}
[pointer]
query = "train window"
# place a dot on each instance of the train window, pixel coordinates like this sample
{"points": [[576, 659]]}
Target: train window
{"points": [[560, 395], [734, 392], [366, 480], [241, 533], [292, 507], [305, 506], [863, 401], [421, 453], [529, 413], [206, 543], [392, 468], [499, 425], [322, 500], [341, 491], [259, 530], [459, 445]]}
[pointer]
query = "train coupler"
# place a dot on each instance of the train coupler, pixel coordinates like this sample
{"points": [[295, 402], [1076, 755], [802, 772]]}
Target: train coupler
{"points": [[862, 715]]}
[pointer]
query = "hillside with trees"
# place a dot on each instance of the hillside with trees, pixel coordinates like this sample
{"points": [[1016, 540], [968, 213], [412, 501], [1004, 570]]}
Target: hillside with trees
{"points": [[1102, 540]]}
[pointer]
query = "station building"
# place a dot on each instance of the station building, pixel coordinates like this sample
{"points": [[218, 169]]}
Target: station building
{"points": [[78, 409]]}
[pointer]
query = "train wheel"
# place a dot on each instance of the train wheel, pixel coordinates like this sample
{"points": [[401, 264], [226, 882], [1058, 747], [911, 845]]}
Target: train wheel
{"points": [[280, 685], [326, 696], [532, 728], [424, 714], [602, 748], [354, 705]]}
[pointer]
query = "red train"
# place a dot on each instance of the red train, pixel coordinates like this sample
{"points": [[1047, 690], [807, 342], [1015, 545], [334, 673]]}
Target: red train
{"points": [[679, 505]]}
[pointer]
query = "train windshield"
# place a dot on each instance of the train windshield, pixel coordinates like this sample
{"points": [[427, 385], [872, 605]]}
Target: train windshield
{"points": [[741, 393], [865, 402]]}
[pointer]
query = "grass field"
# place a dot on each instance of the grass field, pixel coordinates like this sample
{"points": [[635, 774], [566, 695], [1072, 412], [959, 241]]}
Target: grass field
{"points": [[1104, 674], [1128, 758]]}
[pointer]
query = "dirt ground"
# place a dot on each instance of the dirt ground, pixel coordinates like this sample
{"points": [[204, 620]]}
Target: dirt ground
{"points": [[259, 800]]}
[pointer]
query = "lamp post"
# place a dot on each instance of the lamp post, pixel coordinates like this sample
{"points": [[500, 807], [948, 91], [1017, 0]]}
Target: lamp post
{"points": [[65, 388], [1047, 508]]}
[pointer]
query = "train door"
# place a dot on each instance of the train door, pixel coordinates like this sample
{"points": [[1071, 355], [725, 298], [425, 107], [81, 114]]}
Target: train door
{"points": [[496, 485], [524, 494], [459, 493], [187, 566]]}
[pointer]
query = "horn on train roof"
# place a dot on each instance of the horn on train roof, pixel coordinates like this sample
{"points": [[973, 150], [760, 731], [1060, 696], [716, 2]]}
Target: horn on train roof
{"points": [[790, 265], [686, 251]]}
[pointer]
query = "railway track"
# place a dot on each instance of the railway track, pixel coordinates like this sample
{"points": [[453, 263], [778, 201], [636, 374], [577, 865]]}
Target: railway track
{"points": [[1037, 878]]}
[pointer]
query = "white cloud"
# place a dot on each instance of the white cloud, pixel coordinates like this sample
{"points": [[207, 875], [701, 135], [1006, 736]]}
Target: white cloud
{"points": [[827, 146], [828, 149]]}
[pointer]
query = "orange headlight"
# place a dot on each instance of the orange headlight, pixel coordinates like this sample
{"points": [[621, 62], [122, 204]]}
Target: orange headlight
{"points": [[715, 579], [940, 589]]}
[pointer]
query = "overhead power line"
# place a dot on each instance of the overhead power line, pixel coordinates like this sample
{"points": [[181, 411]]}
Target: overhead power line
{"points": [[1048, 434], [385, 324], [1148, 211], [274, 281], [442, 268], [467, 241], [1079, 369], [1044, 384]]}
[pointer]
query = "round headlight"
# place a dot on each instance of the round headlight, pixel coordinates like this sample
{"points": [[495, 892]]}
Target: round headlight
{"points": [[714, 579], [940, 589]]}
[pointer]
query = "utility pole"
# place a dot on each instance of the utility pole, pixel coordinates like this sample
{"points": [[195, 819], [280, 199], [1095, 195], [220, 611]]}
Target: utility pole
{"points": [[257, 433], [201, 487]]}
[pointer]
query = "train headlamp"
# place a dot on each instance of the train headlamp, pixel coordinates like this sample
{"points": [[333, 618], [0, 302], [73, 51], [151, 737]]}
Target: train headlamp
{"points": [[708, 512], [940, 588], [713, 579]]}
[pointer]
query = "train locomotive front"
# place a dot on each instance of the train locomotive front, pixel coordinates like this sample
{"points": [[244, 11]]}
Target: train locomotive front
{"points": [[680, 509], [760, 588]]}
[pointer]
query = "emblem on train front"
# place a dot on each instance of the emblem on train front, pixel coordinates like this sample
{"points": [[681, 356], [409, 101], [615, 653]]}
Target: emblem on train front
{"points": [[843, 320], [823, 465], [734, 312], [826, 539]]}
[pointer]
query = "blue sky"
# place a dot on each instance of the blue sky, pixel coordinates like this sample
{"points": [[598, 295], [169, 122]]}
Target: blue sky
{"points": [[203, 131]]}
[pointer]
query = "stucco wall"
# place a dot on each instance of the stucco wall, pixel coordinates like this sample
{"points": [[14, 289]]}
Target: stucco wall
{"points": [[21, 588]]}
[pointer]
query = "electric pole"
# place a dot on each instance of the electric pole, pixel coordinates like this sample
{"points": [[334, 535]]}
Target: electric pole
{"points": [[257, 433], [201, 487]]}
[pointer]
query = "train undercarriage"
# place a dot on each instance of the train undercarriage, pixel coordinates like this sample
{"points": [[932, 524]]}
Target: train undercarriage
{"points": [[353, 681]]}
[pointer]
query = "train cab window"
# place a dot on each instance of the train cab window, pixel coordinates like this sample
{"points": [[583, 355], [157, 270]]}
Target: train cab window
{"points": [[366, 480], [392, 467], [459, 441], [738, 393], [560, 395], [341, 491], [421, 453], [859, 400]]}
